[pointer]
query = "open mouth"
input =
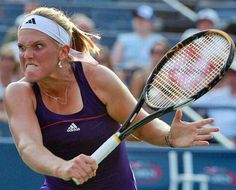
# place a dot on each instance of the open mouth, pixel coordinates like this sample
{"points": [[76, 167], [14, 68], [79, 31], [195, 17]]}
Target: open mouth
{"points": [[30, 65]]}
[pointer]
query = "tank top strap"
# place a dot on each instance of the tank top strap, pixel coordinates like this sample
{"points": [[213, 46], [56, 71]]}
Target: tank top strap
{"points": [[37, 93], [92, 104]]}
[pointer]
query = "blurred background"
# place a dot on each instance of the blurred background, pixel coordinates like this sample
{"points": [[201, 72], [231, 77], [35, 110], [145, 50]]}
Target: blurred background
{"points": [[135, 34]]}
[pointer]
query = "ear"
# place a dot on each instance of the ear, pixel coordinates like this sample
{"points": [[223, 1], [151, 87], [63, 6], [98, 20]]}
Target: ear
{"points": [[64, 52]]}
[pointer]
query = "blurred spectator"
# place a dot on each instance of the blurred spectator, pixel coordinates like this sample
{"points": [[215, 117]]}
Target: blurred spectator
{"points": [[231, 27], [8, 73], [220, 104], [85, 23], [11, 34], [139, 78], [207, 19], [104, 58], [131, 50]]}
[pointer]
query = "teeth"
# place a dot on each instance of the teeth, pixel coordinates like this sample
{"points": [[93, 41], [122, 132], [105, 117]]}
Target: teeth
{"points": [[30, 65]]}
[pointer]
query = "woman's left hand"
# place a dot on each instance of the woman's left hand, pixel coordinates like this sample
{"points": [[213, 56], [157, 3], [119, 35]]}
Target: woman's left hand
{"points": [[187, 134]]}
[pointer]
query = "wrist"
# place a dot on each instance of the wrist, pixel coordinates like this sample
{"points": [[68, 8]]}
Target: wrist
{"points": [[168, 140], [57, 170]]}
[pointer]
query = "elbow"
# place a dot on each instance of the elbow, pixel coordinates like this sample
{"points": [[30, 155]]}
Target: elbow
{"points": [[27, 152], [24, 150]]}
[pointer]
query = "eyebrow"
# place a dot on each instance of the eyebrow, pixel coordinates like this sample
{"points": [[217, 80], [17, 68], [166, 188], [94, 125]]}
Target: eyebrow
{"points": [[38, 41]]}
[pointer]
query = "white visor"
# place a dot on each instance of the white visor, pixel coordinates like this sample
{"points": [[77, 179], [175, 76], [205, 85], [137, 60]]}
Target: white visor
{"points": [[55, 31]]}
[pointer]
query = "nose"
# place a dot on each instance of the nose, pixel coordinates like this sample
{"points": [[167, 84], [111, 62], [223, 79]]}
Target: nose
{"points": [[28, 53]]}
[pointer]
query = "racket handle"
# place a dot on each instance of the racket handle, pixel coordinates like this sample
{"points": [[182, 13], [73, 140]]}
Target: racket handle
{"points": [[104, 150]]}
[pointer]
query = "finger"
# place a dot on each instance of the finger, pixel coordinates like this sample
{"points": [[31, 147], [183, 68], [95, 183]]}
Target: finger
{"points": [[93, 164], [203, 131], [93, 167], [77, 182], [81, 173], [94, 173], [178, 115], [91, 171], [200, 143], [83, 170], [203, 137], [78, 179], [203, 122], [88, 171], [90, 161]]}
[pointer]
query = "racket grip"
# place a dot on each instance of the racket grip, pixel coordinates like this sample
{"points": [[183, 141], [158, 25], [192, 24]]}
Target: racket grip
{"points": [[104, 150]]}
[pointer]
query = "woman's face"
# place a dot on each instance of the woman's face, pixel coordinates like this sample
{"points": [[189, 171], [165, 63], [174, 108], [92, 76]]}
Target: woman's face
{"points": [[39, 54], [142, 26]]}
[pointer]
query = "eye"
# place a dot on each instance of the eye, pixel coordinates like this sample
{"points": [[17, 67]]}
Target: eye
{"points": [[38, 46], [21, 48]]}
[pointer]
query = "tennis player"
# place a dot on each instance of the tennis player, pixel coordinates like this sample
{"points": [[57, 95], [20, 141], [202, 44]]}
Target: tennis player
{"points": [[67, 105]]}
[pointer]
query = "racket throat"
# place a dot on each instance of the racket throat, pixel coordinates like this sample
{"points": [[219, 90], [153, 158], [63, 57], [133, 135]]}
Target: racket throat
{"points": [[132, 116]]}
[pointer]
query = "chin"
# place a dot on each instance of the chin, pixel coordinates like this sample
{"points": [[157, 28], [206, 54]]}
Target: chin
{"points": [[30, 78]]}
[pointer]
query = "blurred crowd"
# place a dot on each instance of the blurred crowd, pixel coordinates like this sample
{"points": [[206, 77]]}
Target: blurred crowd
{"points": [[132, 57]]}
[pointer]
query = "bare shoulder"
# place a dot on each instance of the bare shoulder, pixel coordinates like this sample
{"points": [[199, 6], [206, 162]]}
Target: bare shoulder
{"points": [[18, 88], [100, 75], [103, 81], [19, 92], [97, 72]]}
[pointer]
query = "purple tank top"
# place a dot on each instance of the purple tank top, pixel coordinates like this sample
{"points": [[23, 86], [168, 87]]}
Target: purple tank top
{"points": [[67, 136]]}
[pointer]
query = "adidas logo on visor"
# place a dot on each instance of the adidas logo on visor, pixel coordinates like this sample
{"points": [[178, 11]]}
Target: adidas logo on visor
{"points": [[31, 21]]}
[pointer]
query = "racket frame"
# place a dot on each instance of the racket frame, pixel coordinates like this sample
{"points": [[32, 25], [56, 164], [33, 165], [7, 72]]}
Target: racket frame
{"points": [[125, 130]]}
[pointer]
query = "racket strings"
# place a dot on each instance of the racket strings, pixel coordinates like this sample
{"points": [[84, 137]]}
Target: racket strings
{"points": [[188, 71], [168, 94]]}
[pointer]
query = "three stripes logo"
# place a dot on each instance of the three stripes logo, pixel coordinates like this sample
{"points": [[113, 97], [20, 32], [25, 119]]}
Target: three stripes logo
{"points": [[31, 21], [72, 128]]}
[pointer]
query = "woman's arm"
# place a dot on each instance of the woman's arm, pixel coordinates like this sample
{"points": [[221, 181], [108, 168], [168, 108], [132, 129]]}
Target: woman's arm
{"points": [[24, 126], [120, 103]]}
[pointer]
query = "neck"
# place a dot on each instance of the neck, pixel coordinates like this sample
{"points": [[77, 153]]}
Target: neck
{"points": [[144, 34], [55, 86], [59, 99], [56, 89]]}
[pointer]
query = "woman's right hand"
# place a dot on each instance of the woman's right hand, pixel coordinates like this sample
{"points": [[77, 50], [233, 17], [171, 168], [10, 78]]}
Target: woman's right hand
{"points": [[81, 168]]}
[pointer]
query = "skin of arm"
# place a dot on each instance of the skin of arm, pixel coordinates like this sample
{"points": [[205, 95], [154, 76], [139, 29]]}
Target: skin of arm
{"points": [[120, 103], [20, 104]]}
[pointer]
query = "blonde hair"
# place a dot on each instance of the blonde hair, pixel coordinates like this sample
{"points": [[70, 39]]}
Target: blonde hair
{"points": [[80, 40]]}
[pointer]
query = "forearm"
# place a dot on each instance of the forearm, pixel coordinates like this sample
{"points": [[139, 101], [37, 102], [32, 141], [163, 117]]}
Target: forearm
{"points": [[41, 160], [154, 133]]}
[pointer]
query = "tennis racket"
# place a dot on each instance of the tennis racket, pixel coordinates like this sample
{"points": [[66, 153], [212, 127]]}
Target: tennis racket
{"points": [[186, 72]]}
